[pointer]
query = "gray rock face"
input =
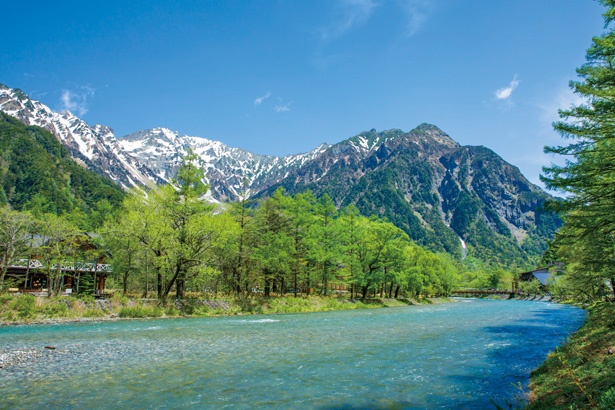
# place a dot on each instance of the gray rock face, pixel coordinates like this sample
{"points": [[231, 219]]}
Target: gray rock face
{"points": [[444, 195], [94, 147]]}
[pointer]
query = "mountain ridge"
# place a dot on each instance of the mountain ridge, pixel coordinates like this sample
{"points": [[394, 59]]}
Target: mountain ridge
{"points": [[443, 194]]}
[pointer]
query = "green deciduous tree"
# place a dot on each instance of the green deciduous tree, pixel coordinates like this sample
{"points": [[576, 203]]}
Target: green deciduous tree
{"points": [[172, 224], [15, 228], [60, 241], [324, 240]]}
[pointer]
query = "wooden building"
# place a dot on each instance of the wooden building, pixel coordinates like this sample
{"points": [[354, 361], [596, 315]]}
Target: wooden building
{"points": [[32, 276]]}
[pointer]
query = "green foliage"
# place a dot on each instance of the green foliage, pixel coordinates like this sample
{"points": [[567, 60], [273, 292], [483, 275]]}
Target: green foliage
{"points": [[140, 311], [38, 174], [297, 245], [532, 288], [168, 232], [24, 305]]}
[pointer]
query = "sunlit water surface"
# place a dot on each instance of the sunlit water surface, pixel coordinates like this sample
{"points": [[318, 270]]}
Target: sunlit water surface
{"points": [[462, 355]]}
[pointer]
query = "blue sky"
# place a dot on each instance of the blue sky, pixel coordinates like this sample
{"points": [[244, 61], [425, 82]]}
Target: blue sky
{"points": [[279, 77]]}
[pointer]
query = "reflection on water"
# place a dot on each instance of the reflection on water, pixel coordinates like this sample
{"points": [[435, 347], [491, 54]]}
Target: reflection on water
{"points": [[457, 355]]}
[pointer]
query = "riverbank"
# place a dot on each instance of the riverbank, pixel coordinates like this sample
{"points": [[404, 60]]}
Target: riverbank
{"points": [[581, 373], [27, 309], [376, 358]]}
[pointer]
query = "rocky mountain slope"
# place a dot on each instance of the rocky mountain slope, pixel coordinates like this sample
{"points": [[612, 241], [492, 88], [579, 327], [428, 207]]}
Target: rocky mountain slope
{"points": [[445, 196], [152, 156], [94, 147], [231, 172]]}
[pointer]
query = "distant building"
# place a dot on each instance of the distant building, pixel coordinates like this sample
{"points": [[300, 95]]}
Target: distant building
{"points": [[29, 275], [543, 275]]}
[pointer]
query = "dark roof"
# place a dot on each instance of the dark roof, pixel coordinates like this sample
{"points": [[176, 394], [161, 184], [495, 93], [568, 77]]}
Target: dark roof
{"points": [[542, 275]]}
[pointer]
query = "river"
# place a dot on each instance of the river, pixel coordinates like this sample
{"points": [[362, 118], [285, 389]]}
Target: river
{"points": [[464, 355]]}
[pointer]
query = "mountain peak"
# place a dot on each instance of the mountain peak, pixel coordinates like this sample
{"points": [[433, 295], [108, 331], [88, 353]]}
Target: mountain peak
{"points": [[428, 127], [437, 134]]}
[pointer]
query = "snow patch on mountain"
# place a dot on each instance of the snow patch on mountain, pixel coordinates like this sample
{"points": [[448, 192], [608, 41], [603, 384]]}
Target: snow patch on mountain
{"points": [[94, 147], [232, 173]]}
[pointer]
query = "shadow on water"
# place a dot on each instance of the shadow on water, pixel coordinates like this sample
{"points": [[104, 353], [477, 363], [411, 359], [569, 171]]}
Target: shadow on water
{"points": [[526, 345]]}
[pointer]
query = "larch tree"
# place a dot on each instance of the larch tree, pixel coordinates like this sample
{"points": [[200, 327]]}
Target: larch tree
{"points": [[588, 175]]}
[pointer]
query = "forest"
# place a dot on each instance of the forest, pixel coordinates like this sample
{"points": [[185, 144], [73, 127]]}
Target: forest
{"points": [[167, 241]]}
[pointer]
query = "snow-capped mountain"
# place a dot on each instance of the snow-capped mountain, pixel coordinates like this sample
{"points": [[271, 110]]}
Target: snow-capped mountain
{"points": [[231, 172], [153, 156], [442, 194], [95, 147]]}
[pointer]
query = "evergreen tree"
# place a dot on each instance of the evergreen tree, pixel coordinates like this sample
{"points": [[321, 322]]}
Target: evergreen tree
{"points": [[588, 177]]}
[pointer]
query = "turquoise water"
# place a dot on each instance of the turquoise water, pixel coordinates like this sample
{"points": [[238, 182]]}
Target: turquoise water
{"points": [[455, 356]]}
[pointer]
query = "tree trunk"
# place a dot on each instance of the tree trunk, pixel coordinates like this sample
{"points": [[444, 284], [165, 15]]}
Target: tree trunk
{"points": [[295, 282], [364, 291], [159, 284], [181, 286], [172, 282], [125, 280], [146, 277], [237, 276]]}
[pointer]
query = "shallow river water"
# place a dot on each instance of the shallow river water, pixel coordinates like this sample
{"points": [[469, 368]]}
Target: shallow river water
{"points": [[464, 355]]}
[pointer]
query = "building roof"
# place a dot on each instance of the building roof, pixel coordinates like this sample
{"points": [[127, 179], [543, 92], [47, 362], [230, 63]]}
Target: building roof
{"points": [[544, 277]]}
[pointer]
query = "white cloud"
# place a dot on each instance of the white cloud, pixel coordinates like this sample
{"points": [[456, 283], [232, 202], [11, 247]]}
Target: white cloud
{"points": [[283, 108], [417, 12], [506, 92], [259, 100], [76, 102], [563, 99], [352, 13]]}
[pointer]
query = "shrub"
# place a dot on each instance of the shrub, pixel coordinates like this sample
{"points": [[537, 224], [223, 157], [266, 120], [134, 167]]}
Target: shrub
{"points": [[140, 311], [93, 313], [55, 308], [25, 305]]}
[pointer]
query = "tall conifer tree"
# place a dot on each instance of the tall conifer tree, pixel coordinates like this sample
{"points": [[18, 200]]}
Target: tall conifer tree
{"points": [[588, 176]]}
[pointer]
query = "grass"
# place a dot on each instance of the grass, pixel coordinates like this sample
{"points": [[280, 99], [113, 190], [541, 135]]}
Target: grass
{"points": [[140, 311], [580, 374], [30, 309]]}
